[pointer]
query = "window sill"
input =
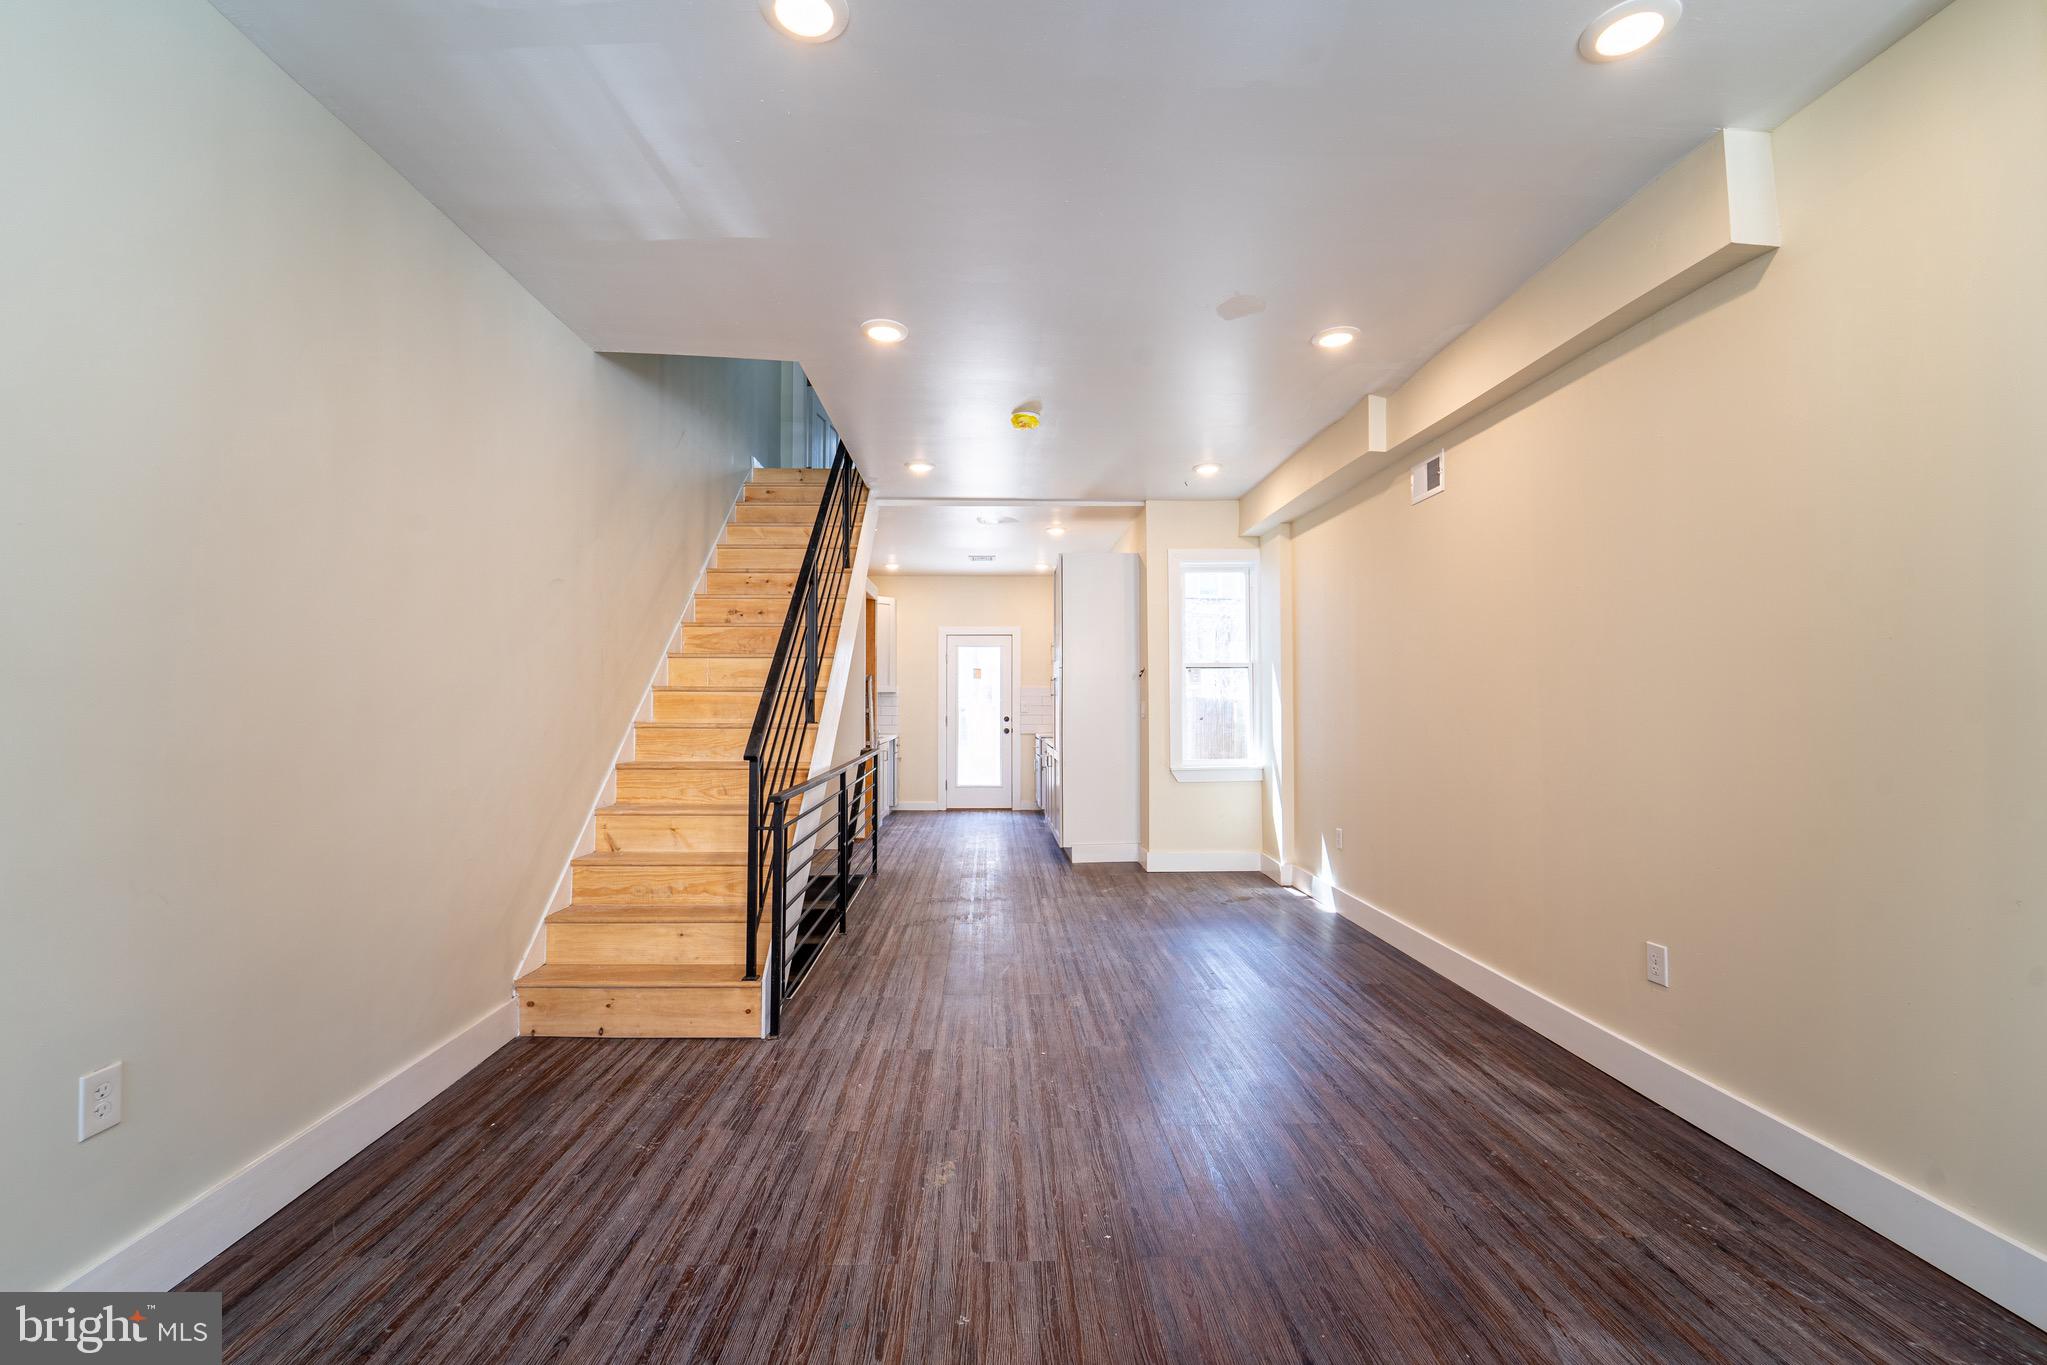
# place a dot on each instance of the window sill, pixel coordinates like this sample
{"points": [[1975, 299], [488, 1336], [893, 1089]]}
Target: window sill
{"points": [[1218, 774]]}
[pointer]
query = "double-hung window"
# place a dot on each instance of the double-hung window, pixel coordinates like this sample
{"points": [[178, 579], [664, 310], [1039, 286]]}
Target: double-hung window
{"points": [[1214, 638]]}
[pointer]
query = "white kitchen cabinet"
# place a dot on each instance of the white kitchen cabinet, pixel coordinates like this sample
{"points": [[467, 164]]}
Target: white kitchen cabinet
{"points": [[885, 644], [885, 774], [1048, 781]]}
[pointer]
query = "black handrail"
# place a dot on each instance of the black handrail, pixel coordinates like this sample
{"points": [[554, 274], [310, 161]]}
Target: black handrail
{"points": [[820, 900], [788, 708], [863, 757]]}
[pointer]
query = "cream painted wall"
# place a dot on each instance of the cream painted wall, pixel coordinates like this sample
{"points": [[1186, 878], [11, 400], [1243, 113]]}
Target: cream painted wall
{"points": [[331, 569], [1185, 817], [1734, 636], [1131, 542], [929, 603]]}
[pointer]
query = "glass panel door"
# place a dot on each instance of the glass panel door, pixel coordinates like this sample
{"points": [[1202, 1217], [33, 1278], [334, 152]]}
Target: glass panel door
{"points": [[980, 738]]}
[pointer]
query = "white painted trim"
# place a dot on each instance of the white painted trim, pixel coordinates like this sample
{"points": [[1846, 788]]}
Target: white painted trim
{"points": [[1178, 562], [917, 805], [839, 692], [1055, 504], [1105, 853], [1197, 860], [191, 1236], [607, 787], [1199, 773], [1275, 870], [946, 757], [1994, 1265]]}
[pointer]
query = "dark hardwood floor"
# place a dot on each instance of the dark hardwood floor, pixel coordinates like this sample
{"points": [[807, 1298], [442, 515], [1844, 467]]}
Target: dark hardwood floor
{"points": [[1028, 1112]]}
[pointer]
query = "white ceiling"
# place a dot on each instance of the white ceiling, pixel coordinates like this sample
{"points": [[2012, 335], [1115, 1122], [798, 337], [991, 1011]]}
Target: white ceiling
{"points": [[931, 537], [1055, 195]]}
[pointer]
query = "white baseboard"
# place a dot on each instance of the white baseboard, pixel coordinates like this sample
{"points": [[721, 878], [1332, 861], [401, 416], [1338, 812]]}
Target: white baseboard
{"points": [[193, 1235], [1197, 860], [916, 805], [1105, 853], [1994, 1265], [1274, 870]]}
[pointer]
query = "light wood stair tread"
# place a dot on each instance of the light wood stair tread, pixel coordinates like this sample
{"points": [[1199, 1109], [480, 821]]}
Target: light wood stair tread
{"points": [[692, 764], [738, 639], [824, 665], [739, 726], [633, 976], [730, 806], [714, 690], [725, 656], [664, 858], [733, 912]]}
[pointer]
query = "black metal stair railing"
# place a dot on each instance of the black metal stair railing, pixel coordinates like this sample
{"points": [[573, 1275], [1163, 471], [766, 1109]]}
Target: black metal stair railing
{"points": [[804, 831]]}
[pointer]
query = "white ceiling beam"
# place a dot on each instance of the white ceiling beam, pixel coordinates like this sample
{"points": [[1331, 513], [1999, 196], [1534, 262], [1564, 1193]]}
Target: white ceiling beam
{"points": [[1714, 210]]}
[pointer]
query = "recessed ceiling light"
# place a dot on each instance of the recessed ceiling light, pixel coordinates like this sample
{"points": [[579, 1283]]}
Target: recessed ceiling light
{"points": [[808, 21], [1626, 29], [1208, 469], [884, 331], [1335, 338], [1055, 530], [891, 565], [919, 467]]}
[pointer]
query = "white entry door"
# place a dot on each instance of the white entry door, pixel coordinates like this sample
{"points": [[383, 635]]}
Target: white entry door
{"points": [[980, 706]]}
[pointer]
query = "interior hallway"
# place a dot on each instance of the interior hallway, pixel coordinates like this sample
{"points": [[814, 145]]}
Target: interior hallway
{"points": [[1051, 1113]]}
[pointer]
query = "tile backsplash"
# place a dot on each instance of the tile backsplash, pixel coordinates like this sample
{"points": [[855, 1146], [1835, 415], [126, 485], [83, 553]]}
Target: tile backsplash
{"points": [[1034, 711]]}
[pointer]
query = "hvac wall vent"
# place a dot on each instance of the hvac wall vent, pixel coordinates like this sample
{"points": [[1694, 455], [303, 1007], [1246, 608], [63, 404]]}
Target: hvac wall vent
{"points": [[981, 559], [1425, 480]]}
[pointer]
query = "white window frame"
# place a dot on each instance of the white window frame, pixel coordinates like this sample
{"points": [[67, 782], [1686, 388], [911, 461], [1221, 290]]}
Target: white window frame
{"points": [[1178, 564]]}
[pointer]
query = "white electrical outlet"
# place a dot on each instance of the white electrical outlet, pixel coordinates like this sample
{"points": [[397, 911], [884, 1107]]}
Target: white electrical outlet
{"points": [[1659, 965], [1339, 836], [99, 1101]]}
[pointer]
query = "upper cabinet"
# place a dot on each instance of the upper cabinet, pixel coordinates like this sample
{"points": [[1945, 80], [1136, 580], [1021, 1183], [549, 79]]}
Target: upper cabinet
{"points": [[884, 644]]}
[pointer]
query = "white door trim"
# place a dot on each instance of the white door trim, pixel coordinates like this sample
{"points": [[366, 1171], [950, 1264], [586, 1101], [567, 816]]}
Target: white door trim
{"points": [[945, 704]]}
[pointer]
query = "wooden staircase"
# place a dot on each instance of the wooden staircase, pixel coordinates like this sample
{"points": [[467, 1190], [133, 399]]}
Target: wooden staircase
{"points": [[654, 941]]}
